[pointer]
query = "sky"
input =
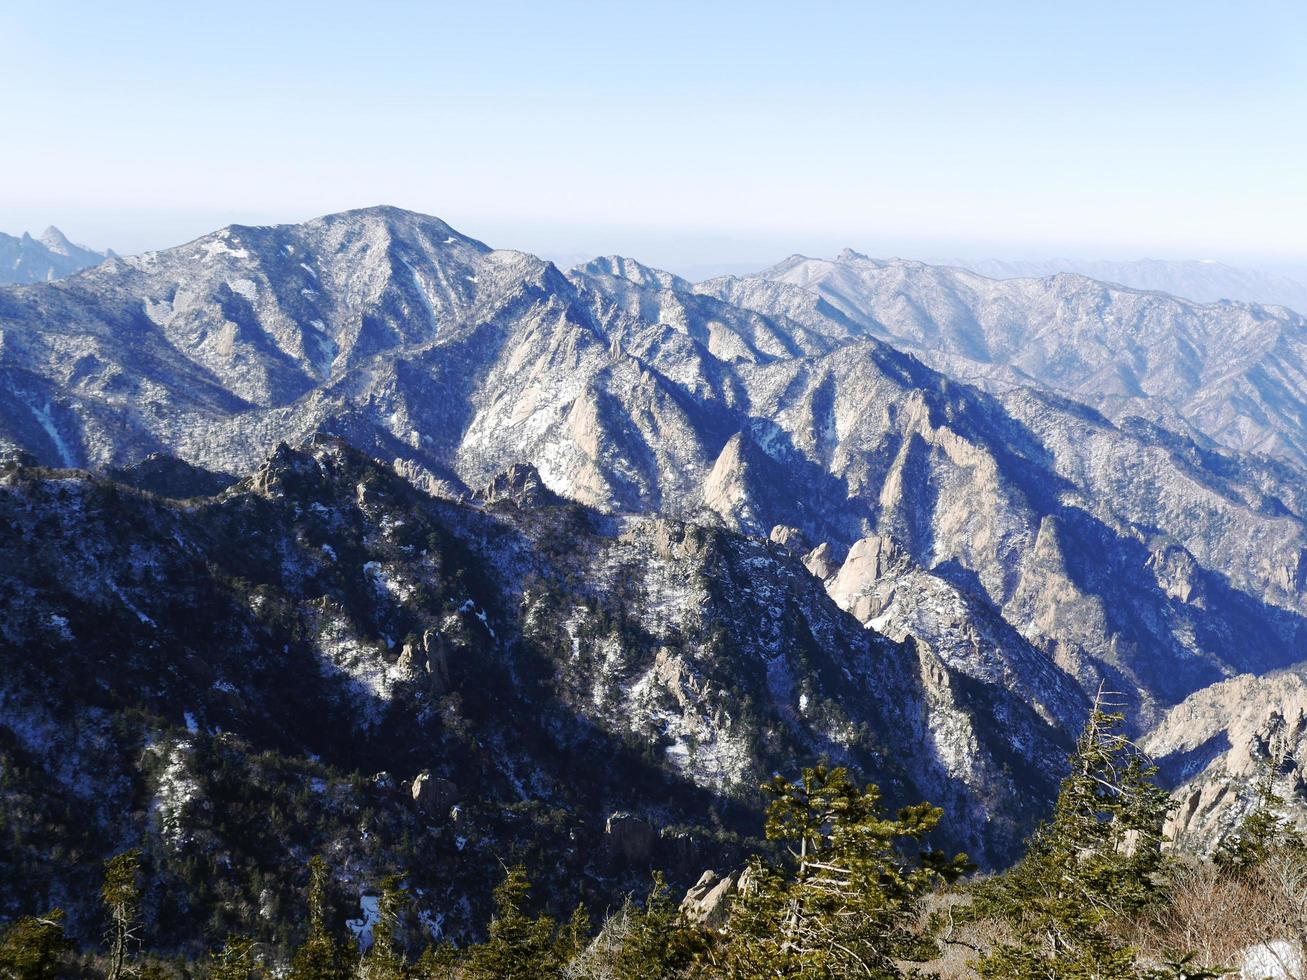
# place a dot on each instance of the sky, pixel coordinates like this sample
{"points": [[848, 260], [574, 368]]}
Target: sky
{"points": [[701, 136]]}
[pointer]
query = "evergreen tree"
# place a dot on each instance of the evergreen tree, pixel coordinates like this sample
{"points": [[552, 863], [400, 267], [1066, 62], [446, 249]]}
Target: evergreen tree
{"points": [[385, 958], [574, 936], [33, 947], [320, 957], [437, 962], [659, 943], [1095, 861], [518, 947], [236, 961], [121, 896], [843, 905], [1263, 831]]}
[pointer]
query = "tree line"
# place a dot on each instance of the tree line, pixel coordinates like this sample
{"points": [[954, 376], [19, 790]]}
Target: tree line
{"points": [[851, 891]]}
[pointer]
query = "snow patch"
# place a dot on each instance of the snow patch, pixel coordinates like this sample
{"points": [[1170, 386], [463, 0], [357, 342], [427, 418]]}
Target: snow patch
{"points": [[370, 909], [218, 247], [175, 792], [244, 288], [420, 286], [131, 606], [46, 421], [60, 624]]}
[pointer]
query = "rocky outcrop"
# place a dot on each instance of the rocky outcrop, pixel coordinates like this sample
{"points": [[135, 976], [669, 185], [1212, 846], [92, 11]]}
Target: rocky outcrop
{"points": [[730, 488], [521, 486], [707, 902], [434, 795], [821, 561], [789, 538], [430, 655], [1177, 574], [868, 561], [285, 471], [1215, 748], [630, 839]]}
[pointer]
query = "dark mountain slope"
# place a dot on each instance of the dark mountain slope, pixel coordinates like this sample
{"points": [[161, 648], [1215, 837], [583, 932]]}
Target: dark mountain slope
{"points": [[219, 679]]}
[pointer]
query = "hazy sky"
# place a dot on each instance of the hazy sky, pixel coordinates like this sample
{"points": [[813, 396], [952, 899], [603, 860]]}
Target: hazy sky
{"points": [[690, 134]]}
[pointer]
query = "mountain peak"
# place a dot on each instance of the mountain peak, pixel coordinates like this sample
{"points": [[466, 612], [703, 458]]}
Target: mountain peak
{"points": [[632, 270], [26, 259], [403, 221], [55, 240]]}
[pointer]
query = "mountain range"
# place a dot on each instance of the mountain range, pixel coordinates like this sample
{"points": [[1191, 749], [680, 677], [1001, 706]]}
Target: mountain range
{"points": [[505, 516], [1201, 280], [25, 259]]}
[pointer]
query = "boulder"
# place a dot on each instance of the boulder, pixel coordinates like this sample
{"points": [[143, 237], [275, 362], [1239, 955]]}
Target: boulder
{"points": [[821, 561], [630, 838], [521, 486], [434, 795], [789, 538], [706, 902], [428, 655]]}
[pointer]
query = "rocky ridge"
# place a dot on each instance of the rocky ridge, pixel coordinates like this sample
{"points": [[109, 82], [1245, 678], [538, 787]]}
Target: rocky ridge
{"points": [[1232, 372], [24, 259], [412, 681]]}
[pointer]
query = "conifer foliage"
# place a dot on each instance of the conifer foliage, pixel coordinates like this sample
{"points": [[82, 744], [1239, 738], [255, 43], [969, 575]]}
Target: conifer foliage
{"points": [[321, 957], [32, 947], [844, 893], [843, 904], [1095, 862], [1263, 832], [519, 947], [658, 942], [121, 896]]}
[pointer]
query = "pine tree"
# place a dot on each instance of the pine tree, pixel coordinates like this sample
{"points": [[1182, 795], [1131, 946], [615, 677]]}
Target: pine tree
{"points": [[574, 936], [437, 962], [33, 947], [236, 961], [518, 946], [385, 959], [320, 957], [659, 943], [843, 905], [1096, 861], [121, 896], [1263, 831]]}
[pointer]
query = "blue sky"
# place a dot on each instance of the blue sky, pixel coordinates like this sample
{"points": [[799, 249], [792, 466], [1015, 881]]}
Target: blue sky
{"points": [[691, 134]]}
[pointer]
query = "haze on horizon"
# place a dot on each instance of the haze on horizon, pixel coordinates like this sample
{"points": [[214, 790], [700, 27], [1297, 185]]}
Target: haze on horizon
{"points": [[692, 136]]}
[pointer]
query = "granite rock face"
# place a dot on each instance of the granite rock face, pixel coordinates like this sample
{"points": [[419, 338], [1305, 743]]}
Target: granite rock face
{"points": [[707, 901], [1232, 371], [1120, 550], [1217, 747]]}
